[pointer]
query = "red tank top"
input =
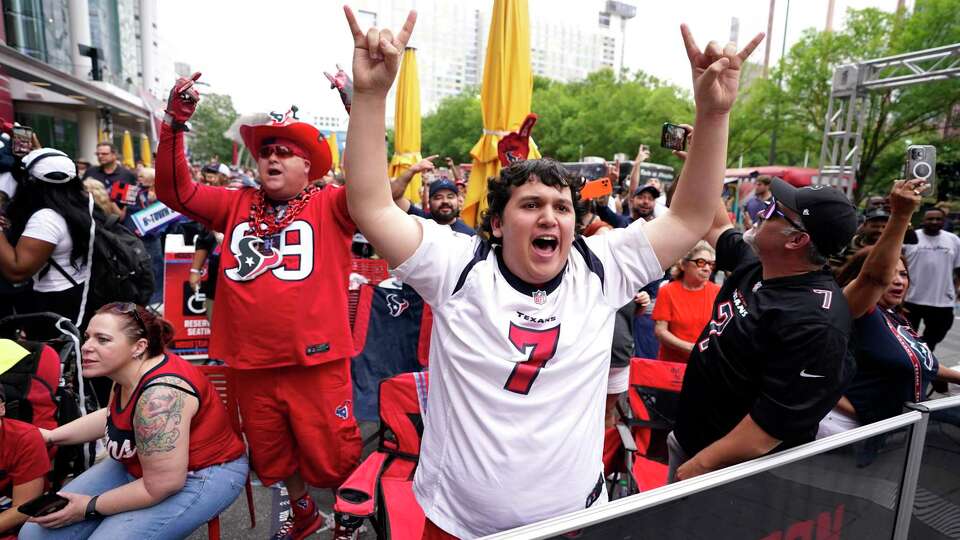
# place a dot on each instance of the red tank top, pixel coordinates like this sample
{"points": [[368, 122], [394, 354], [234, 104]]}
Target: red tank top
{"points": [[210, 443]]}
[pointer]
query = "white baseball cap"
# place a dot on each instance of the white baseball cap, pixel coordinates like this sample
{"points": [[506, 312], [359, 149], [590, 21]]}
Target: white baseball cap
{"points": [[50, 165]]}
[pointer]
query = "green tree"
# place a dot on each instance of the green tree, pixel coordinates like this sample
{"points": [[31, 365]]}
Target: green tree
{"points": [[214, 115], [896, 115], [454, 127]]}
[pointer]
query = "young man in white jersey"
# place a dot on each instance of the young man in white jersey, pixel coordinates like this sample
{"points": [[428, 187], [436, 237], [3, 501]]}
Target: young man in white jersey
{"points": [[523, 321]]}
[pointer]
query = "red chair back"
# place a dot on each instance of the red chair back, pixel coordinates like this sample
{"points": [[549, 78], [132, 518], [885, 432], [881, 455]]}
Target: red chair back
{"points": [[402, 400], [222, 379]]}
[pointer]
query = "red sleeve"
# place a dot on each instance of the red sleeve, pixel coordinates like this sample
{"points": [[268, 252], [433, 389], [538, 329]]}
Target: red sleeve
{"points": [[663, 309], [30, 460], [175, 187], [339, 207]]}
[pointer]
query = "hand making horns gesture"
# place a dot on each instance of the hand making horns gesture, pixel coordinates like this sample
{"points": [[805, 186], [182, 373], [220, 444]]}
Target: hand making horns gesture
{"points": [[716, 72], [377, 54]]}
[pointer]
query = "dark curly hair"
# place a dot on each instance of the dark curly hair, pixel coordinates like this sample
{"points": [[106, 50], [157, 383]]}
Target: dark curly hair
{"points": [[548, 171]]}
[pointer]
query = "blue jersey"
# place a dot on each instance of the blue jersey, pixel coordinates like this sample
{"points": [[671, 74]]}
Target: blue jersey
{"points": [[894, 366], [387, 333]]}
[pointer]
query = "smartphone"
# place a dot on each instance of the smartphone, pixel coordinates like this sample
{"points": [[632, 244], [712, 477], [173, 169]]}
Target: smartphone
{"points": [[22, 140], [595, 189], [673, 136], [921, 162], [47, 503]]}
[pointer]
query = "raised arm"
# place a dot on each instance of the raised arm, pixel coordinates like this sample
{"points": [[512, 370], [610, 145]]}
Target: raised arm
{"points": [[642, 155], [716, 77], [174, 184], [399, 184], [376, 59], [880, 266]]}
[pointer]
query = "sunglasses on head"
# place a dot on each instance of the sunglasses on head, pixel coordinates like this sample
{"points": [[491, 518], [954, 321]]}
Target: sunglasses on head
{"points": [[129, 308], [703, 262], [772, 209], [281, 150]]}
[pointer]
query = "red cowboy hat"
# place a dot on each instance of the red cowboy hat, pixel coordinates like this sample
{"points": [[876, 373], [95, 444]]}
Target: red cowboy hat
{"points": [[289, 127]]}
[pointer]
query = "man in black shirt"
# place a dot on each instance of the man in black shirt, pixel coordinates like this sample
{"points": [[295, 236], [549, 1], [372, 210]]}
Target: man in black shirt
{"points": [[120, 181], [774, 359]]}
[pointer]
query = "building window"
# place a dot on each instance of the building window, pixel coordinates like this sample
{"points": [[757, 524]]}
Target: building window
{"points": [[24, 26], [54, 132]]}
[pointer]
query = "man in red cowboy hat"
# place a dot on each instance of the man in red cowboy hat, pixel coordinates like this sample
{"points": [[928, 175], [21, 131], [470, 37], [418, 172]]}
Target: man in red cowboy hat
{"points": [[283, 275]]}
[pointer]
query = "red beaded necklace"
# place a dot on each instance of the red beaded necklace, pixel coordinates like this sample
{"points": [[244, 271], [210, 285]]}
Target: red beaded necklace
{"points": [[264, 223]]}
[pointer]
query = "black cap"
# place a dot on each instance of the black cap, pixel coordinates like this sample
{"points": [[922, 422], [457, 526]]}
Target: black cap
{"points": [[876, 213], [826, 213], [649, 187], [443, 183]]}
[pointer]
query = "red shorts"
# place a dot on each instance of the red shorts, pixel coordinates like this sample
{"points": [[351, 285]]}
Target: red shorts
{"points": [[300, 419], [432, 532]]}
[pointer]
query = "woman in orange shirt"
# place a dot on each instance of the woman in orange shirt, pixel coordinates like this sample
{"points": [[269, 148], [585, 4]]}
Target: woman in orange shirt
{"points": [[684, 305]]}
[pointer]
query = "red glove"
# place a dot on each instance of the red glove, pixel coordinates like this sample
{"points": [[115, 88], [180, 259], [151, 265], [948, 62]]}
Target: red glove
{"points": [[182, 101], [342, 82], [516, 146]]}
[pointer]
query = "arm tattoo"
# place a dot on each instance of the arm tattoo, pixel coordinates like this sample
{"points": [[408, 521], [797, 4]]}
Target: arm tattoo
{"points": [[157, 419]]}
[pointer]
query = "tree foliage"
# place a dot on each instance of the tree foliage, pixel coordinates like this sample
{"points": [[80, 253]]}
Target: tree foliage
{"points": [[214, 115], [601, 115], [897, 117]]}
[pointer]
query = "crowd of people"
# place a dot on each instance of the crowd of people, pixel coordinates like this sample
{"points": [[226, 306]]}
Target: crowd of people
{"points": [[801, 324]]}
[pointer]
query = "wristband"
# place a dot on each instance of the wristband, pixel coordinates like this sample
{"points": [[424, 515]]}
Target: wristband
{"points": [[196, 271], [91, 512], [169, 120]]}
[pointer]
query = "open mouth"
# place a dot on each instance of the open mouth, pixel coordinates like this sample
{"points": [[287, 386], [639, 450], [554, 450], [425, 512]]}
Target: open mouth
{"points": [[546, 244], [274, 171]]}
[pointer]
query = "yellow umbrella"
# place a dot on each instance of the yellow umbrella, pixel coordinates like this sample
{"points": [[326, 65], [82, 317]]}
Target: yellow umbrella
{"points": [[334, 152], [504, 98], [146, 153], [127, 149], [406, 147]]}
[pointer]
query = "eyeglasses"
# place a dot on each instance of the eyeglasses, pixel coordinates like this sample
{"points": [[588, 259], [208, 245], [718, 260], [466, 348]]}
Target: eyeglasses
{"points": [[129, 308], [703, 262], [772, 210], [282, 151]]}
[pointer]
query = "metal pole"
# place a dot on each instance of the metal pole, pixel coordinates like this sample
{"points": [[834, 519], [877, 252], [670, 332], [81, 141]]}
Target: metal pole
{"points": [[766, 54], [783, 53], [911, 473]]}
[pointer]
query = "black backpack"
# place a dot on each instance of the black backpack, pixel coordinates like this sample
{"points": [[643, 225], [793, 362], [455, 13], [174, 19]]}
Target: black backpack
{"points": [[122, 271]]}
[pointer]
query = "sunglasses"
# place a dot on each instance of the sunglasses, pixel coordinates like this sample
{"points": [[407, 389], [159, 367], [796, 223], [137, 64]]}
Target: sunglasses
{"points": [[282, 151], [129, 308], [703, 262], [772, 209]]}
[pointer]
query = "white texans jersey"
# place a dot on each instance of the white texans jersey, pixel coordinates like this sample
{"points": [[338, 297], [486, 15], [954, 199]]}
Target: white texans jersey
{"points": [[518, 377]]}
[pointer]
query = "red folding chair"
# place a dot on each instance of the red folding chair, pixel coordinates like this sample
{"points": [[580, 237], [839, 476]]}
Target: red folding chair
{"points": [[222, 379], [381, 488], [653, 394]]}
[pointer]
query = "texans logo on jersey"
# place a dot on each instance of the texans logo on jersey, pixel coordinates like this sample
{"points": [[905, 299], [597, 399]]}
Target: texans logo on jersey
{"points": [[343, 411], [251, 261], [396, 305], [919, 347]]}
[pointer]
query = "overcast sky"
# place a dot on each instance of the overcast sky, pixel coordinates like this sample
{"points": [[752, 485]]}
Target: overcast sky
{"points": [[268, 59]]}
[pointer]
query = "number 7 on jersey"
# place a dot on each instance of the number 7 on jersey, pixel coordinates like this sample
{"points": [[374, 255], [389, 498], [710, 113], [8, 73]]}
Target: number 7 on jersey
{"points": [[540, 346]]}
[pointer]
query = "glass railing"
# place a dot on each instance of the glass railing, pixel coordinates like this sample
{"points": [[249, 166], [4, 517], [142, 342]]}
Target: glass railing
{"points": [[936, 501], [850, 485]]}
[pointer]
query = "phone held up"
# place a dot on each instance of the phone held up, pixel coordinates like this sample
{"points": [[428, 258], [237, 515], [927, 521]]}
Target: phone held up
{"points": [[921, 163], [22, 140], [47, 503], [673, 136]]}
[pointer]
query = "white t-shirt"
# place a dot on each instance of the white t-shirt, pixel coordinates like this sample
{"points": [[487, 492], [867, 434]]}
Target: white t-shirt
{"points": [[505, 443], [47, 225], [931, 262]]}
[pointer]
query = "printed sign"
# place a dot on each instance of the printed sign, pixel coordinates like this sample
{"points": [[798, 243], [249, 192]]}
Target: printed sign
{"points": [[153, 217], [183, 306]]}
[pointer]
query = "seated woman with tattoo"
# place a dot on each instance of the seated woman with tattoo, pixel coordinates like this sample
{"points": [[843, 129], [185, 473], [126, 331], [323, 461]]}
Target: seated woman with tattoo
{"points": [[173, 463]]}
